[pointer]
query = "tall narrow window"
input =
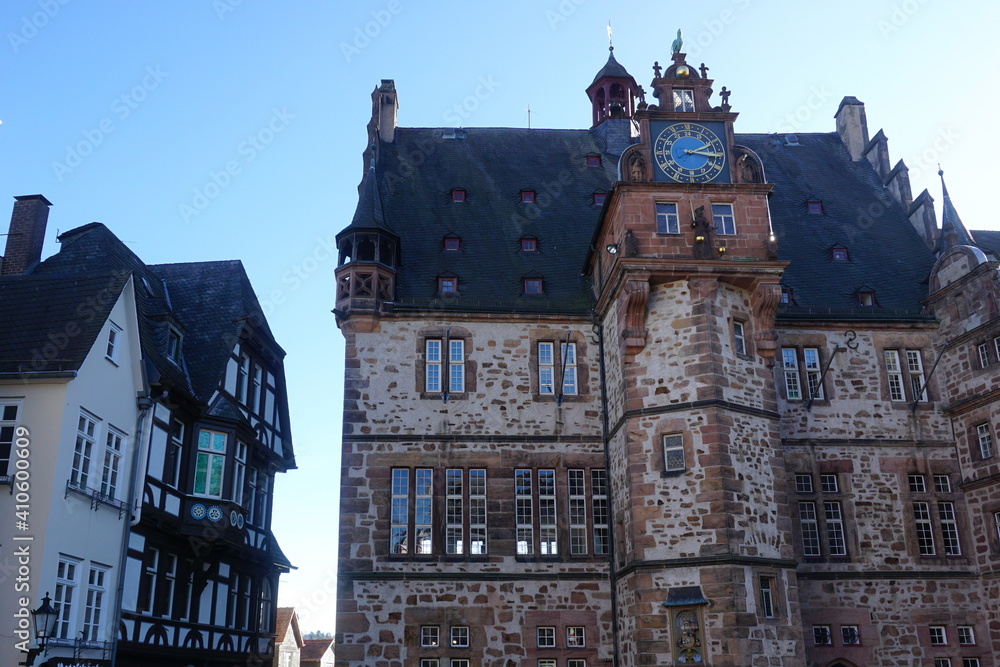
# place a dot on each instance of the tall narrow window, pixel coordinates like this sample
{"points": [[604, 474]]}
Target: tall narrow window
{"points": [[551, 369], [547, 524], [242, 375], [8, 428], [114, 341], [984, 434], [210, 465], [767, 597], [239, 472], [173, 345], [599, 498], [790, 368], [925, 531], [86, 434], [456, 365], [477, 511], [984, 355], [64, 599], [150, 575], [894, 375], [399, 515], [723, 219], [577, 512], [739, 338], [915, 371], [175, 451], [568, 355], [169, 584], [523, 512], [254, 395], [667, 220], [546, 368], [423, 522], [432, 365], [95, 604], [810, 529], [810, 357], [835, 528], [112, 462], [996, 525], [949, 529], [454, 484]]}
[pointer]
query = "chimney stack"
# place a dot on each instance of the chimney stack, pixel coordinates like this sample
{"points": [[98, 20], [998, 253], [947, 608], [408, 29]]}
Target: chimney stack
{"points": [[387, 107], [852, 126], [26, 234]]}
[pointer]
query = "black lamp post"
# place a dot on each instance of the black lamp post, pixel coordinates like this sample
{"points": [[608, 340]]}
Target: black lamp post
{"points": [[44, 619]]}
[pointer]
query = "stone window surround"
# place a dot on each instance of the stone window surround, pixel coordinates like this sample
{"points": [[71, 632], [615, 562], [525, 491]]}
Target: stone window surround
{"points": [[537, 336], [680, 427], [471, 366], [800, 343], [843, 496], [739, 329], [904, 372], [933, 499], [773, 578]]}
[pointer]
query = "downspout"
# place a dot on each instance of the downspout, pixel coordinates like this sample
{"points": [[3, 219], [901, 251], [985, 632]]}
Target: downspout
{"points": [[144, 403], [599, 330]]}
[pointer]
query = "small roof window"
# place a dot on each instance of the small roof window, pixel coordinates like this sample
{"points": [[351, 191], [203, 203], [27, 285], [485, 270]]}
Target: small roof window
{"points": [[452, 243], [599, 198], [814, 207], [457, 195], [527, 196], [529, 244], [447, 284], [594, 160], [786, 296], [866, 297], [533, 286], [839, 253]]}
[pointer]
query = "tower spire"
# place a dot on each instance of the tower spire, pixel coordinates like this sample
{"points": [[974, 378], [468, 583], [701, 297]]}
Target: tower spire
{"points": [[953, 231]]}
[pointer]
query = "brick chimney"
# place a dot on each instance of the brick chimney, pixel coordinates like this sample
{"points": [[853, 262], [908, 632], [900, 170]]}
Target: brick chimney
{"points": [[852, 126], [26, 234]]}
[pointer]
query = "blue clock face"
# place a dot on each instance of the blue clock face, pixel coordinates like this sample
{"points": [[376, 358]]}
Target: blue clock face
{"points": [[689, 153]]}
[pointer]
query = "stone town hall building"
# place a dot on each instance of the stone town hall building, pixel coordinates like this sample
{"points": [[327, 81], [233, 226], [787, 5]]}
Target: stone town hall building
{"points": [[656, 393]]}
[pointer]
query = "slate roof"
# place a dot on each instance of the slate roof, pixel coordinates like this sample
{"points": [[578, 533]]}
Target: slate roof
{"points": [[885, 253], [951, 223], [209, 302], [612, 68], [49, 324], [416, 174], [988, 241]]}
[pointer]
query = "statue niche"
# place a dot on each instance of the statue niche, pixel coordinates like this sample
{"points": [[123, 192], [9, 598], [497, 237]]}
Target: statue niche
{"points": [[748, 166], [633, 164]]}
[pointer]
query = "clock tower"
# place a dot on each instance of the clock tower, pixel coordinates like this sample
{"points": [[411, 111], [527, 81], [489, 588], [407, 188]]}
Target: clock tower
{"points": [[686, 285]]}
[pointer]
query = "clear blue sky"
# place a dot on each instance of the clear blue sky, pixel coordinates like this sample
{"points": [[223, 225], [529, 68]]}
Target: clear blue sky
{"points": [[234, 129]]}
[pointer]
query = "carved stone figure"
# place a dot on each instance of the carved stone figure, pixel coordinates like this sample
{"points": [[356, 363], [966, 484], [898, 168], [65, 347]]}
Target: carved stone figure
{"points": [[702, 234], [636, 167]]}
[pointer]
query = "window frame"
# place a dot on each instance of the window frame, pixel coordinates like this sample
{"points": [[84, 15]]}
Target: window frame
{"points": [[766, 586], [903, 381], [740, 337], [938, 635], [447, 285], [452, 243], [673, 443], [458, 195], [114, 342], [430, 636], [113, 455], [599, 511], [599, 198], [174, 340], [966, 635], [527, 196], [671, 219], [852, 631], [448, 364], [724, 219], [459, 636], [984, 438], [8, 437], [64, 599], [819, 631], [545, 636], [802, 373], [87, 429], [213, 457], [924, 529], [983, 350], [576, 509], [529, 244], [576, 636], [683, 100], [532, 286], [593, 160], [951, 540]]}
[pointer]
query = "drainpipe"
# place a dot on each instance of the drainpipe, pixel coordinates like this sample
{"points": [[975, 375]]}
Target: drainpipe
{"points": [[145, 403], [599, 330]]}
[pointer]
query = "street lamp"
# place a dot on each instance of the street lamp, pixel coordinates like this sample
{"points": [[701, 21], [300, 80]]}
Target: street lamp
{"points": [[43, 619]]}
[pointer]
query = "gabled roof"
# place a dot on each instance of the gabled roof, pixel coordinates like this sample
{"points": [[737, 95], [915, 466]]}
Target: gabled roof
{"points": [[314, 649], [287, 618], [885, 252], [493, 165], [49, 324]]}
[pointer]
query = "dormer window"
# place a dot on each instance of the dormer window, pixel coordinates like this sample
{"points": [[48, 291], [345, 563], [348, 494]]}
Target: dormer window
{"points": [[683, 100], [814, 207], [173, 345], [786, 296], [447, 284], [599, 198], [451, 243], [866, 297], [840, 254], [458, 195], [529, 244], [593, 160], [533, 286], [527, 196]]}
